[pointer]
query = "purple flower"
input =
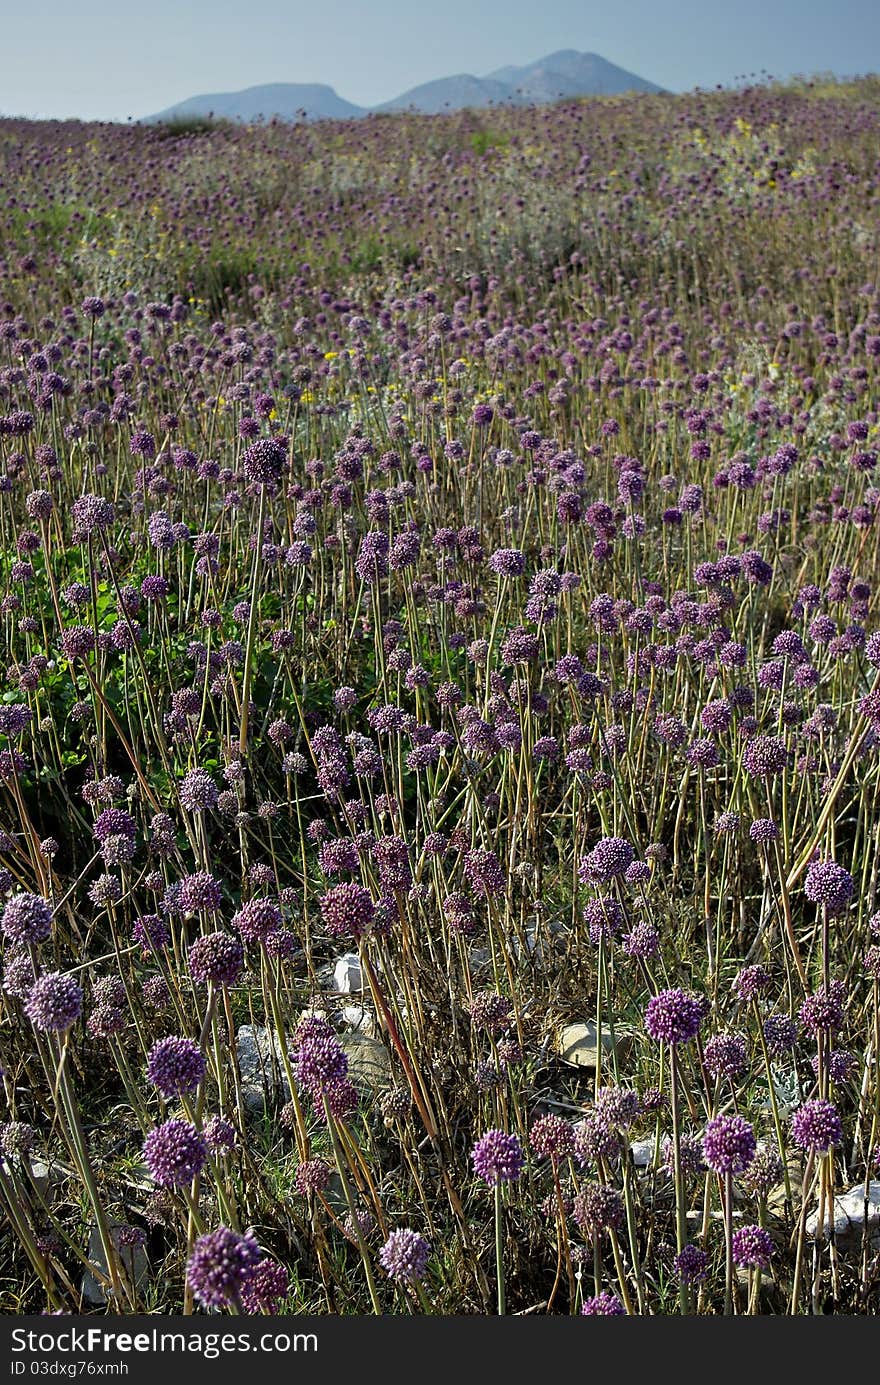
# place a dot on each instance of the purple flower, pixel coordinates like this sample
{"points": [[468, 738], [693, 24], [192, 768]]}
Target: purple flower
{"points": [[217, 958], [816, 1126], [606, 1305], [484, 872], [257, 919], [752, 1248], [673, 1016], [347, 910], [264, 461], [724, 1054], [507, 562], [404, 1255], [491, 1012], [198, 791], [552, 1137], [751, 982], [763, 830], [220, 1265], [312, 1176], [54, 1002], [199, 893], [780, 1035], [174, 1153], [265, 1287], [175, 1066], [498, 1157], [219, 1135], [610, 857], [829, 885], [691, 1264], [765, 756], [27, 918], [599, 1207], [728, 1144]]}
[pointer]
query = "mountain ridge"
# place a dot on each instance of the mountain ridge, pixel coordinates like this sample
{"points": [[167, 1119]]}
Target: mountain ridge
{"points": [[566, 74]]}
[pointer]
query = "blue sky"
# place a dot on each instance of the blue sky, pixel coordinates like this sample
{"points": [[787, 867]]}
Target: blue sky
{"points": [[111, 59]]}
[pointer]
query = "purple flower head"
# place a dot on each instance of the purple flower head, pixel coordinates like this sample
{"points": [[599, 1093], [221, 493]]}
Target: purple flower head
{"points": [[725, 1055], [497, 1157], [54, 1002], [829, 886], [642, 941], [673, 1016], [490, 1012], [347, 910], [763, 830], [220, 1266], [265, 1287], [219, 1135], [691, 1265], [312, 1176], [27, 918], [604, 1305], [599, 1207], [175, 1066], [198, 792], [507, 562], [91, 512], [257, 919], [610, 857], [751, 982], [823, 1010], [780, 1035], [216, 958], [174, 1153], [264, 461], [752, 1248], [552, 1137], [484, 872], [404, 1255], [729, 1144], [816, 1126], [765, 756]]}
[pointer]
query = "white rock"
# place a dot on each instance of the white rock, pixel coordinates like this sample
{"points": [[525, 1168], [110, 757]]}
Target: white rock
{"points": [[359, 1019], [850, 1209], [577, 1044], [347, 974], [642, 1153], [134, 1263], [261, 1078], [42, 1176]]}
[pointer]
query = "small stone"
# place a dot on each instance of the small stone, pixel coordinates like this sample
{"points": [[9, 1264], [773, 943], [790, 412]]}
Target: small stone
{"points": [[369, 1062], [577, 1044], [359, 1019], [134, 1263], [41, 1175], [262, 1079], [347, 974], [643, 1153], [851, 1211]]}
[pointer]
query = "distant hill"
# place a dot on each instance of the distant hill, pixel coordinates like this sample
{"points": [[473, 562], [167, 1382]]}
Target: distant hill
{"points": [[284, 100], [559, 76], [569, 74], [451, 94]]}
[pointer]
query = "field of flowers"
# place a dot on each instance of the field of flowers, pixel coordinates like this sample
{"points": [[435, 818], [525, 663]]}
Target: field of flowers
{"points": [[440, 716]]}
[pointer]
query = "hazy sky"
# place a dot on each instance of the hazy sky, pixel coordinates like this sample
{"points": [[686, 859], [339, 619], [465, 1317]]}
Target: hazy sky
{"points": [[112, 59]]}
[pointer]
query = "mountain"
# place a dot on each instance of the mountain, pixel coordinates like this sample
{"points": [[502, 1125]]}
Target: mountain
{"points": [[569, 74], [565, 75], [451, 94], [286, 100]]}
